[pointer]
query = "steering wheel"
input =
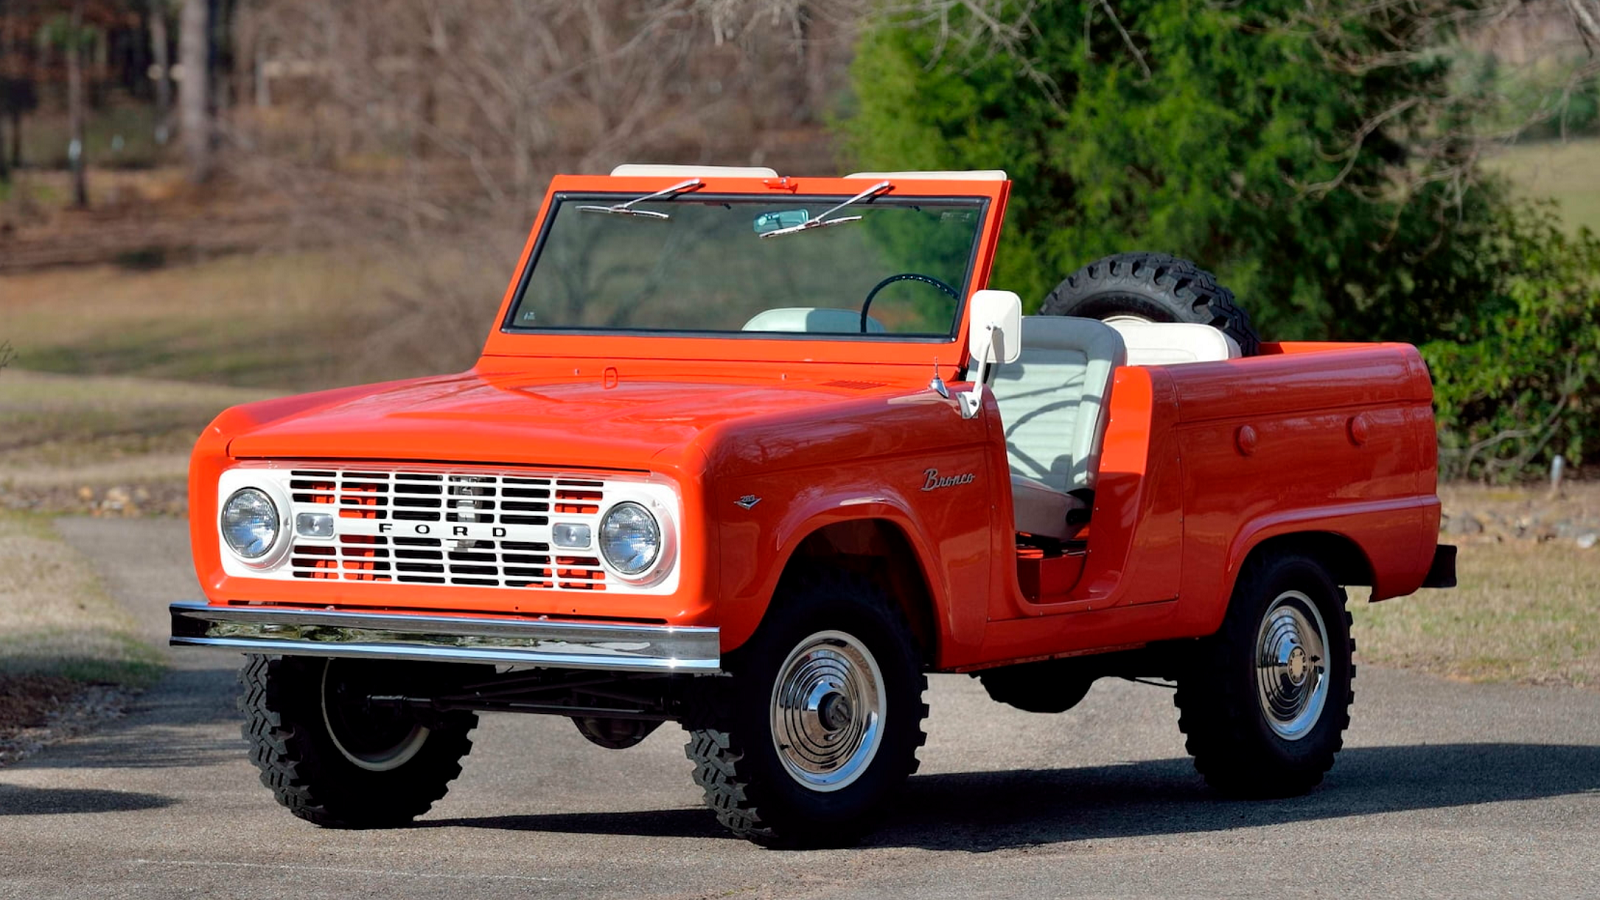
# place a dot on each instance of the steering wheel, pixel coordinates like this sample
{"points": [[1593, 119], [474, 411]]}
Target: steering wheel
{"points": [[903, 276]]}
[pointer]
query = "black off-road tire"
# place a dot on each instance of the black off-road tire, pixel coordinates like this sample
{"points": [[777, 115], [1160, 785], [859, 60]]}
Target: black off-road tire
{"points": [[1041, 687], [1155, 287], [731, 736], [291, 743], [1219, 697]]}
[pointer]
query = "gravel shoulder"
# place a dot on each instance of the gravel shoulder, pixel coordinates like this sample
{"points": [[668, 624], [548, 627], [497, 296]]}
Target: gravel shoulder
{"points": [[70, 655]]}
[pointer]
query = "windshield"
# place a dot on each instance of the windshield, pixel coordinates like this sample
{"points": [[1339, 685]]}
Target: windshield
{"points": [[756, 265]]}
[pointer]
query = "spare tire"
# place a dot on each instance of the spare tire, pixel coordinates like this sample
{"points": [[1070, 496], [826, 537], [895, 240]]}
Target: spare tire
{"points": [[1152, 287]]}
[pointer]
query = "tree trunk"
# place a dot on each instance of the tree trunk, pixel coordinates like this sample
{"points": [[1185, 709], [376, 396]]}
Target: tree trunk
{"points": [[160, 56], [75, 107], [194, 102], [5, 20]]}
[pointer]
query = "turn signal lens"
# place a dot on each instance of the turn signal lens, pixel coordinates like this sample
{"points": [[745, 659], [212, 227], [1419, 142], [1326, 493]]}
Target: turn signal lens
{"points": [[570, 535]]}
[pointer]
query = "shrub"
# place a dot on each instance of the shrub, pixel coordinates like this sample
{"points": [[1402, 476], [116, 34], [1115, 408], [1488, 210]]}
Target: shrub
{"points": [[1272, 141], [1520, 381]]}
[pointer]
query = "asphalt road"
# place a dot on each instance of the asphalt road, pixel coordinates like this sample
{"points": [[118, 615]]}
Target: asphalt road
{"points": [[1444, 790]]}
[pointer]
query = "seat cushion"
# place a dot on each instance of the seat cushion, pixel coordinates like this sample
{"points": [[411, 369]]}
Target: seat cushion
{"points": [[1171, 343], [1040, 509]]}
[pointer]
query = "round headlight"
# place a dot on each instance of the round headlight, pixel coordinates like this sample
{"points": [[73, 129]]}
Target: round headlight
{"points": [[250, 523], [630, 538]]}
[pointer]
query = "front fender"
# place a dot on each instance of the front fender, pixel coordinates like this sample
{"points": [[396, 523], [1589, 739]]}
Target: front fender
{"points": [[947, 529]]}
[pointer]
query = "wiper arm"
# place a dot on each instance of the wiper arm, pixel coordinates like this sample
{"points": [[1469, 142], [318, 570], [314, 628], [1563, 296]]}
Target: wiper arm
{"points": [[823, 221], [626, 209]]}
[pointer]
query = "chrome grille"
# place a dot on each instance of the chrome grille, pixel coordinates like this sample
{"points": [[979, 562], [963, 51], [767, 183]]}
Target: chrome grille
{"points": [[401, 526]]}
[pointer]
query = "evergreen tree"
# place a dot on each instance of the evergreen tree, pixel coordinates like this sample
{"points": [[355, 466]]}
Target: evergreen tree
{"points": [[1311, 154]]}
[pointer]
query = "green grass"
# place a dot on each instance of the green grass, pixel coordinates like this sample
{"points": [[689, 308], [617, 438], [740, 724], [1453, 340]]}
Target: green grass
{"points": [[56, 619], [1524, 611], [1566, 171]]}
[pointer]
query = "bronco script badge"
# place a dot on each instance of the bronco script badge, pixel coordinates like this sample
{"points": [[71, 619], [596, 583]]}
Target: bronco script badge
{"points": [[936, 481]]}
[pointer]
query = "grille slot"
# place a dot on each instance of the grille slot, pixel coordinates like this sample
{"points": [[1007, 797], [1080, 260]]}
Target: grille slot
{"points": [[438, 500]]}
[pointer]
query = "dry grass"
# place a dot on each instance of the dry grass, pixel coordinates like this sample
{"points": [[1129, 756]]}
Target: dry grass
{"points": [[55, 618], [59, 421], [1568, 171], [291, 320], [1524, 611], [93, 444]]}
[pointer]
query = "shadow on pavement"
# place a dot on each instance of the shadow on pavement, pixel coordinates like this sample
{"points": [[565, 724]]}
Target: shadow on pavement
{"points": [[693, 822], [28, 801], [982, 811]]}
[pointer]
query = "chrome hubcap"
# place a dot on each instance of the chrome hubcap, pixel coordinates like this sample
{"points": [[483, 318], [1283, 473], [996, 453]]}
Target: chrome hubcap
{"points": [[827, 710], [1292, 665]]}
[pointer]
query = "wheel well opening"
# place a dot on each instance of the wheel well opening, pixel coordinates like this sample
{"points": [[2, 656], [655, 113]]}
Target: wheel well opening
{"points": [[1344, 559], [878, 550]]}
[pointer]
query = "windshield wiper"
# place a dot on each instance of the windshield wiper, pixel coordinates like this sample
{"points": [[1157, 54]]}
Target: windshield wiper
{"points": [[626, 209], [823, 220]]}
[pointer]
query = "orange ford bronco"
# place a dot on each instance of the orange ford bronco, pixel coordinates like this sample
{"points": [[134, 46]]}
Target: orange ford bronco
{"points": [[755, 454]]}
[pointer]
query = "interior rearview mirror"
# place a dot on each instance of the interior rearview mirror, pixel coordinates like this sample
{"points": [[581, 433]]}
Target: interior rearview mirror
{"points": [[994, 335], [781, 218]]}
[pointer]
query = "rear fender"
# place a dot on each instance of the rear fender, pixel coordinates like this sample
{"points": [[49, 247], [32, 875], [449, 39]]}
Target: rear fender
{"points": [[1369, 543]]}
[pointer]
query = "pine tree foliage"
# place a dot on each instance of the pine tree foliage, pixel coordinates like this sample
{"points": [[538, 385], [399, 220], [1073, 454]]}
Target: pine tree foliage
{"points": [[1314, 155]]}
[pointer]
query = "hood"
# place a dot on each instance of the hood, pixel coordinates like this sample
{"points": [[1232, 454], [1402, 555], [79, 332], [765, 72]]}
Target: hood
{"points": [[534, 419]]}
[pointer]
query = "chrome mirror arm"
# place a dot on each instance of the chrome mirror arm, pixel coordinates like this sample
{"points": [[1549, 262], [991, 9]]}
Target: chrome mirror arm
{"points": [[972, 401]]}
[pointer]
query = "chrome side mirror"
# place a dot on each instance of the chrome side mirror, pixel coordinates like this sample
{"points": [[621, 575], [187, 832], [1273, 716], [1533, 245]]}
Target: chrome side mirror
{"points": [[994, 335]]}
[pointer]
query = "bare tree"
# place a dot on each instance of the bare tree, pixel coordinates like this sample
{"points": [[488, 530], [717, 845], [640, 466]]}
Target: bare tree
{"points": [[194, 100], [160, 53], [76, 103], [5, 167], [1586, 15], [474, 104]]}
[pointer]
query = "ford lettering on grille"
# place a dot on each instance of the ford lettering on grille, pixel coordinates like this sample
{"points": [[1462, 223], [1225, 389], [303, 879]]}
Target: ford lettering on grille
{"points": [[443, 527]]}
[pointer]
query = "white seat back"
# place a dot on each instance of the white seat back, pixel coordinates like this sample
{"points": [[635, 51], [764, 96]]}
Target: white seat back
{"points": [[813, 319], [1053, 401], [1169, 343]]}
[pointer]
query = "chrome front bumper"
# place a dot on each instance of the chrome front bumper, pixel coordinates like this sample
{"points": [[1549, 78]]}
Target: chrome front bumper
{"points": [[551, 644]]}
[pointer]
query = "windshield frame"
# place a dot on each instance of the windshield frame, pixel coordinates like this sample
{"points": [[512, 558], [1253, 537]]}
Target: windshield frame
{"points": [[567, 199], [506, 339]]}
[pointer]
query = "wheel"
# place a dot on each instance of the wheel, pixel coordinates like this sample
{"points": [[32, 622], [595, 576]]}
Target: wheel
{"points": [[1266, 700], [1041, 687], [903, 276], [1151, 287], [333, 758], [817, 721]]}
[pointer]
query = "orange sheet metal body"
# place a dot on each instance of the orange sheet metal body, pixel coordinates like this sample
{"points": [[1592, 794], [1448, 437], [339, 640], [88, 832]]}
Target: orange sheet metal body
{"points": [[1201, 463]]}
